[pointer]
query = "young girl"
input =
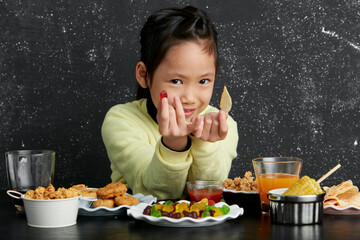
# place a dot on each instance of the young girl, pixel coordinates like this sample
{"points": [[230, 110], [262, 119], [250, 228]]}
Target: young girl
{"points": [[171, 135]]}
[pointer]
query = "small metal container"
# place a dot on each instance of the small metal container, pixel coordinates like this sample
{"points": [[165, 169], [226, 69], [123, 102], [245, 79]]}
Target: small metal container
{"points": [[295, 210]]}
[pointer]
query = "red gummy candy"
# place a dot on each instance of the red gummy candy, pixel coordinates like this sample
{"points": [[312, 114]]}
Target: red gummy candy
{"points": [[163, 94], [211, 202]]}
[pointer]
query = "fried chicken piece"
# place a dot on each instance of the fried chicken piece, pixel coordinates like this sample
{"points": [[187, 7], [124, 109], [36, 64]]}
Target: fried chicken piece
{"points": [[62, 193], [227, 182], [49, 192], [237, 181], [109, 203], [30, 194], [247, 183], [254, 185], [112, 190], [39, 193], [126, 200]]}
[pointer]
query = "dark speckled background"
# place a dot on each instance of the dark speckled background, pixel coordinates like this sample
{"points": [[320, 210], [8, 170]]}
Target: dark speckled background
{"points": [[292, 68]]}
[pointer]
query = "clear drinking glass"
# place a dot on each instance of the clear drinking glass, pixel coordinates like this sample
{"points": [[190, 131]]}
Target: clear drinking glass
{"points": [[275, 172], [28, 169]]}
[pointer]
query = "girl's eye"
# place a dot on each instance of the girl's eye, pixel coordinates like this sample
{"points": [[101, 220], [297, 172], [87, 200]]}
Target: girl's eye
{"points": [[176, 81], [204, 81]]}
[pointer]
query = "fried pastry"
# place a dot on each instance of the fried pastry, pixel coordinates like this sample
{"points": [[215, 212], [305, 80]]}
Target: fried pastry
{"points": [[109, 203], [112, 190], [79, 187], [90, 193], [126, 200], [85, 191]]}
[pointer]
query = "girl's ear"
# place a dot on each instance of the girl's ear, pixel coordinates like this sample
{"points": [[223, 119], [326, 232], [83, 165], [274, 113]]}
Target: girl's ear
{"points": [[141, 74]]}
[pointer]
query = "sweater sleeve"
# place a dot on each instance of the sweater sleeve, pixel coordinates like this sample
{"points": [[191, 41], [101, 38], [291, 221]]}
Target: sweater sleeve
{"points": [[212, 161], [138, 157]]}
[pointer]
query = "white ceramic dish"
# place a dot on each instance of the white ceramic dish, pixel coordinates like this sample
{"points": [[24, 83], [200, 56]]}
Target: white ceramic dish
{"points": [[137, 213], [86, 208], [349, 210]]}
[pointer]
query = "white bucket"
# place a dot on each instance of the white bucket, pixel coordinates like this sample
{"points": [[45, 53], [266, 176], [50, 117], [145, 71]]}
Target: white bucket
{"points": [[54, 213]]}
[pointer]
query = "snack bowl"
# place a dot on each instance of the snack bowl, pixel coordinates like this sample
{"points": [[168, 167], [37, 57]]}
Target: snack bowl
{"points": [[209, 189], [53, 213], [248, 200], [295, 210]]}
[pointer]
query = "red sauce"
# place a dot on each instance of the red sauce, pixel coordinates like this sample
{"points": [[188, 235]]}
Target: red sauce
{"points": [[198, 194]]}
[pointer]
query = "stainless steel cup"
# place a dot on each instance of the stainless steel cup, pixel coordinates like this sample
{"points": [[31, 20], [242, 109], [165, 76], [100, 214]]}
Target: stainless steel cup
{"points": [[28, 169], [295, 210]]}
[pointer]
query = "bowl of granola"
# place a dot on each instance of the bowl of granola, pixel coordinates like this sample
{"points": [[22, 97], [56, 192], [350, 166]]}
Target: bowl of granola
{"points": [[243, 192]]}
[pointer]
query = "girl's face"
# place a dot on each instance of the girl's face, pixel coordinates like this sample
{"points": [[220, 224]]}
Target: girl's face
{"points": [[186, 71]]}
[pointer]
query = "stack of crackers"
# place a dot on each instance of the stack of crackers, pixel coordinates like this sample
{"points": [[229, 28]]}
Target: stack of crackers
{"points": [[343, 195]]}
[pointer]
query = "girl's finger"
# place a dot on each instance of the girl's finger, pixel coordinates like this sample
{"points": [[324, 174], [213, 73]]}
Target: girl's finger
{"points": [[207, 127], [198, 131], [163, 116], [180, 115], [173, 125], [194, 124], [214, 131], [223, 127]]}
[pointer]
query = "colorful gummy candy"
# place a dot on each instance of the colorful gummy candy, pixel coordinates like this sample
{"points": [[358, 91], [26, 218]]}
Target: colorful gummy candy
{"points": [[202, 209]]}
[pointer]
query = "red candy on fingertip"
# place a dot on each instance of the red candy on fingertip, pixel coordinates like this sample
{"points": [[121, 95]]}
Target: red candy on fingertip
{"points": [[163, 94]]}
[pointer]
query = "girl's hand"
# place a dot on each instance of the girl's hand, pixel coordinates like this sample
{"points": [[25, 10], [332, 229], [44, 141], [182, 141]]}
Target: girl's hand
{"points": [[172, 124], [212, 127]]}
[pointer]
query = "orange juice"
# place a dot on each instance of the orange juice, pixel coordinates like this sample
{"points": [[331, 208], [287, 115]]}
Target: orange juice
{"points": [[269, 181]]}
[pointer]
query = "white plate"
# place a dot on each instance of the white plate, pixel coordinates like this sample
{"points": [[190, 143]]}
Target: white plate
{"points": [[86, 208], [137, 213], [349, 210]]}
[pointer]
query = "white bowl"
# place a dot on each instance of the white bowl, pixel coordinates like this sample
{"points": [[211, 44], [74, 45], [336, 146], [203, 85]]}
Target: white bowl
{"points": [[54, 213]]}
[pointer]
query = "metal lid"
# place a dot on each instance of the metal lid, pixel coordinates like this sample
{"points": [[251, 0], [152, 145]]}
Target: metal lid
{"points": [[276, 195]]}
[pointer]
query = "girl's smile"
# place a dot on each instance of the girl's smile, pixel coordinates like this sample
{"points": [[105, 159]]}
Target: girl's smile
{"points": [[189, 112]]}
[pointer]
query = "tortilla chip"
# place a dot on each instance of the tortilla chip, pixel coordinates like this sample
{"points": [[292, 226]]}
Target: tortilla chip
{"points": [[338, 189], [355, 200], [225, 101], [343, 203], [334, 201], [350, 193]]}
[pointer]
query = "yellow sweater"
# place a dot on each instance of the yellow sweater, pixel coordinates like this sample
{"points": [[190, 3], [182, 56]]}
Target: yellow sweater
{"points": [[140, 160]]}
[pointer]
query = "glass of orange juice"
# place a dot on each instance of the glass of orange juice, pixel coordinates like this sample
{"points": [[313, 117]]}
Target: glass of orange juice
{"points": [[275, 172]]}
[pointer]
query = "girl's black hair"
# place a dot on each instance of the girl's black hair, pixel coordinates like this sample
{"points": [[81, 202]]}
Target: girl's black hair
{"points": [[171, 26]]}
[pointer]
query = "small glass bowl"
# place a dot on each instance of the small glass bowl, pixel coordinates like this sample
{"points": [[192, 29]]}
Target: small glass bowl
{"points": [[212, 190]]}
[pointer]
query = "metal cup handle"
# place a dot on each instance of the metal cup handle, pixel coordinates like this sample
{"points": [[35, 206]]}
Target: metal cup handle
{"points": [[13, 194]]}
